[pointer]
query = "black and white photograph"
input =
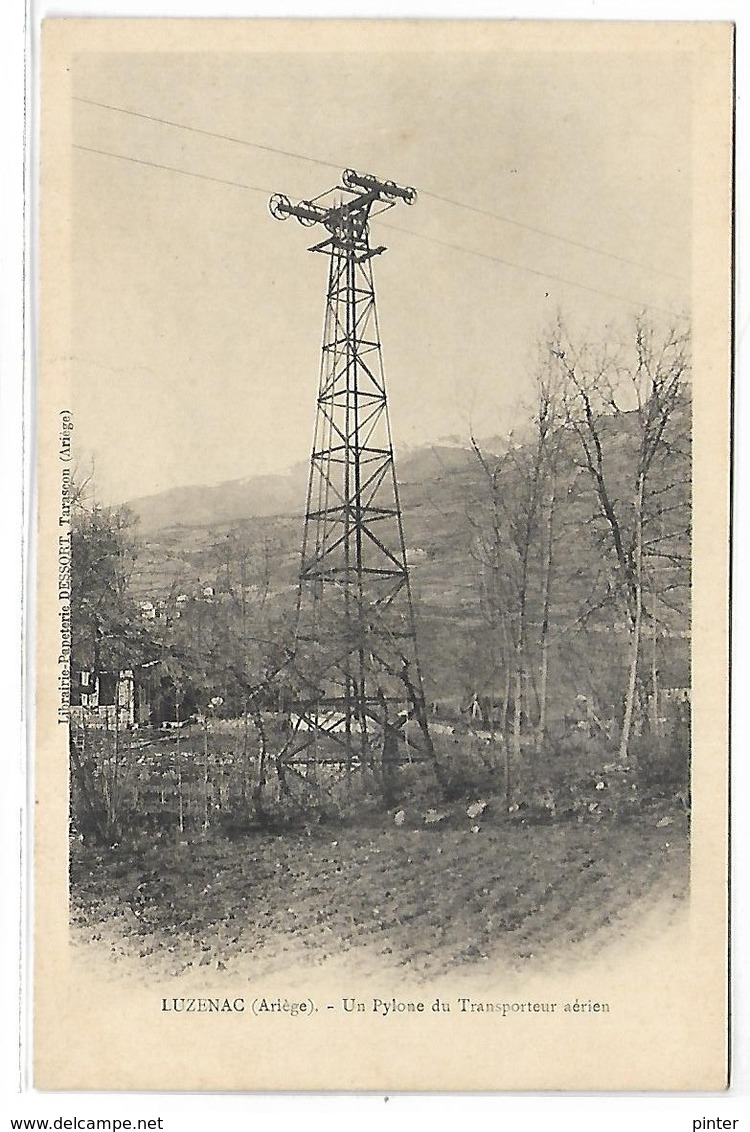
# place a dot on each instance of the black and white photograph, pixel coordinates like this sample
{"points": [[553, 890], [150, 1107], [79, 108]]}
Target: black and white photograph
{"points": [[383, 532]]}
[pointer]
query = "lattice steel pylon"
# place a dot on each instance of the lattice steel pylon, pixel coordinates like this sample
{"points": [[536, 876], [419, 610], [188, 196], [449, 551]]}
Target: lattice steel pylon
{"points": [[359, 696]]}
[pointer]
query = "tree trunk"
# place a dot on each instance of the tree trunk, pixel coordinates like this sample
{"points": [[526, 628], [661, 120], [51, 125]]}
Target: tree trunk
{"points": [[389, 760], [541, 731], [516, 756], [635, 628], [112, 815], [205, 774], [634, 650], [245, 748], [655, 725], [541, 734], [262, 762], [505, 706], [180, 799], [87, 785]]}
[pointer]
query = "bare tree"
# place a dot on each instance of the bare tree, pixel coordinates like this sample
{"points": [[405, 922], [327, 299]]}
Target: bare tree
{"points": [[627, 405], [550, 438], [514, 531]]}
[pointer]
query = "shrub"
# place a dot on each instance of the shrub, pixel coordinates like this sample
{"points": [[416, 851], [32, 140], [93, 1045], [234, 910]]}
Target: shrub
{"points": [[665, 765], [577, 779]]}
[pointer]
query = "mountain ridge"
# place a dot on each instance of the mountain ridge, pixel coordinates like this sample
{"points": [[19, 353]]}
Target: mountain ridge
{"points": [[278, 493]]}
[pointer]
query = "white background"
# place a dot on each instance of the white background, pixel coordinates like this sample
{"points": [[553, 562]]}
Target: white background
{"points": [[190, 1113]]}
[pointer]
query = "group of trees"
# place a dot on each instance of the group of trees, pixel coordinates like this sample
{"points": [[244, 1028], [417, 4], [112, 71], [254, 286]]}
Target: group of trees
{"points": [[584, 525], [203, 645], [205, 654]]}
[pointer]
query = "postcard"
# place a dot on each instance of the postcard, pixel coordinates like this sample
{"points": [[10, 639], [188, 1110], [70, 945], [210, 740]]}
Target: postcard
{"points": [[381, 631]]}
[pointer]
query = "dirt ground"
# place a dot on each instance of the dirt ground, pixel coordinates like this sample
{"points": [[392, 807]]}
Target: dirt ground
{"points": [[424, 899]]}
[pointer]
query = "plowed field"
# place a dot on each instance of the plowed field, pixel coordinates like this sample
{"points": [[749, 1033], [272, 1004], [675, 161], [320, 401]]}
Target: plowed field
{"points": [[425, 899]]}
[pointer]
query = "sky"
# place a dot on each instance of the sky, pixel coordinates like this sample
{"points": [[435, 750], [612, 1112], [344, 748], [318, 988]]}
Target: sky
{"points": [[196, 318]]}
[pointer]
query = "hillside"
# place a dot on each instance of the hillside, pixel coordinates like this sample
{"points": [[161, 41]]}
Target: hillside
{"points": [[189, 536], [183, 531]]}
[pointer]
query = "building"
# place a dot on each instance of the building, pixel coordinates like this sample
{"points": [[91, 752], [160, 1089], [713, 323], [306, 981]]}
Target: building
{"points": [[111, 700]]}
